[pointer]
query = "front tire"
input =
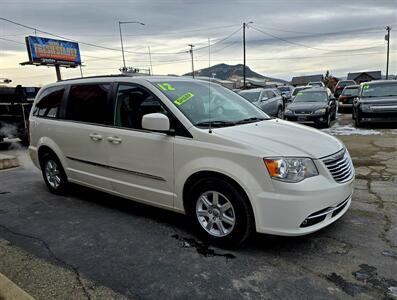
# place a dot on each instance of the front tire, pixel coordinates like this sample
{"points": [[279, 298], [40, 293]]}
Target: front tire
{"points": [[219, 212], [53, 174]]}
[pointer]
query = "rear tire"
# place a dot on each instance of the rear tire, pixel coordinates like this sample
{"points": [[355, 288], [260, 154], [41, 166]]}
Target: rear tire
{"points": [[53, 174], [219, 212]]}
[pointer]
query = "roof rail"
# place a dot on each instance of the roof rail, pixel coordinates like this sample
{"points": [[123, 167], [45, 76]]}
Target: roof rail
{"points": [[97, 76]]}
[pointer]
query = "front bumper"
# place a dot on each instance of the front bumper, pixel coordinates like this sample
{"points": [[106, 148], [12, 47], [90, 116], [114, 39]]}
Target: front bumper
{"points": [[378, 116], [305, 207], [306, 118]]}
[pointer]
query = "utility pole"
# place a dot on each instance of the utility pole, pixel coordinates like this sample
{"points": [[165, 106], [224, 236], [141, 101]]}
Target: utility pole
{"points": [[244, 83], [150, 59], [191, 54], [244, 75], [387, 38], [121, 38]]}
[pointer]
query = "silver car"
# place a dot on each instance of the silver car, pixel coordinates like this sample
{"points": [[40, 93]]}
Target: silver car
{"points": [[269, 100]]}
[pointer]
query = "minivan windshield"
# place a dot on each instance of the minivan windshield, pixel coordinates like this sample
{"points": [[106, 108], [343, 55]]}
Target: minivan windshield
{"points": [[206, 103], [310, 96], [379, 90]]}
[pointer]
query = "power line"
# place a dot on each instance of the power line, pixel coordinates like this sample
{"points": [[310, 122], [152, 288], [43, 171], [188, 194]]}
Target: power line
{"points": [[303, 45]]}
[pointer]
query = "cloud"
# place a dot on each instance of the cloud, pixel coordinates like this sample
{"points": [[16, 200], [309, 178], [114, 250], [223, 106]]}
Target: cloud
{"points": [[171, 25]]}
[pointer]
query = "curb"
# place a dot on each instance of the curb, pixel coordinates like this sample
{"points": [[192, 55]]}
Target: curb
{"points": [[8, 161], [10, 291]]}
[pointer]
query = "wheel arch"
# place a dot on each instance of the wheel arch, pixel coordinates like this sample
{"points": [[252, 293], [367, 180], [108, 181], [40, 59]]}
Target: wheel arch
{"points": [[200, 175]]}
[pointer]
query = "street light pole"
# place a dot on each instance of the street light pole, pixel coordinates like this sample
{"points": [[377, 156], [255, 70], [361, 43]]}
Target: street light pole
{"points": [[387, 38], [121, 38], [244, 59]]}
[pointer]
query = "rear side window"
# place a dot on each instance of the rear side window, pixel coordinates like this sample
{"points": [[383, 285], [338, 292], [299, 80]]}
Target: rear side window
{"points": [[89, 103], [50, 102]]}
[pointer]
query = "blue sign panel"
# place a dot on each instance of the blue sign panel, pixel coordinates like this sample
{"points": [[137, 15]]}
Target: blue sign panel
{"points": [[50, 52]]}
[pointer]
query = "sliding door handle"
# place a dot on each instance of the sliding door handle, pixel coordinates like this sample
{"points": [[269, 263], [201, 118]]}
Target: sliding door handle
{"points": [[96, 137], [114, 139]]}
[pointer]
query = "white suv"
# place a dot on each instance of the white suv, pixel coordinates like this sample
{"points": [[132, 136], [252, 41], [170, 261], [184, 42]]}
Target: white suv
{"points": [[192, 147]]}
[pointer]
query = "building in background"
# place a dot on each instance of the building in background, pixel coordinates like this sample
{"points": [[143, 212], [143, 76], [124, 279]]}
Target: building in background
{"points": [[304, 80], [364, 76]]}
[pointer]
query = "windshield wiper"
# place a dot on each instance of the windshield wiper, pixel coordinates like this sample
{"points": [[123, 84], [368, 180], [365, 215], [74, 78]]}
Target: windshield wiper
{"points": [[250, 120], [215, 123]]}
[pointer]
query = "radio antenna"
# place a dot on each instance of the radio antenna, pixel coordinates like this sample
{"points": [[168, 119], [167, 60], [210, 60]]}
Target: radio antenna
{"points": [[209, 86]]}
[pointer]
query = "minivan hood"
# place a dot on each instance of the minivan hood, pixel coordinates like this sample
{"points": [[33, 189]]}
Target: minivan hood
{"points": [[282, 138]]}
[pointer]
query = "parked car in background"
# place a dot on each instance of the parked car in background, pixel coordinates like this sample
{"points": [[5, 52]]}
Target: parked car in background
{"points": [[350, 92], [377, 102], [268, 100], [315, 105], [231, 169], [15, 105], [316, 84], [285, 91], [341, 85]]}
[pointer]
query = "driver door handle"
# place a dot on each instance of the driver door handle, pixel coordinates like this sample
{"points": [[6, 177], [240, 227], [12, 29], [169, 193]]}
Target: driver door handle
{"points": [[114, 139], [95, 137]]}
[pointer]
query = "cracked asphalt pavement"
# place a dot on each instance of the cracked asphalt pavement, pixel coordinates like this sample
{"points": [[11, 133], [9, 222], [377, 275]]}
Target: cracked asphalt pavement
{"points": [[90, 245]]}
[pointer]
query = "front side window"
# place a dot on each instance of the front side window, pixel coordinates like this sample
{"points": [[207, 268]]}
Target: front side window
{"points": [[132, 104], [270, 94], [49, 104], [89, 103], [206, 103], [306, 96]]}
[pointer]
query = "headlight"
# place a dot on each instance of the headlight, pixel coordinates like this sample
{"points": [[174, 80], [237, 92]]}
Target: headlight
{"points": [[291, 169], [320, 111], [366, 107], [288, 111]]}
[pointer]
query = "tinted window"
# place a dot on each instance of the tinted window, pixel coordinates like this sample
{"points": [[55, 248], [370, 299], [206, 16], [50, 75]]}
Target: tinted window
{"points": [[270, 94], [133, 103], [251, 96], [89, 103], [49, 103]]}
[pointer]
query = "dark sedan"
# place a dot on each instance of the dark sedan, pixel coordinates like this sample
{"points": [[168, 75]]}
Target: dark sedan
{"points": [[341, 85], [377, 102], [346, 98], [316, 105]]}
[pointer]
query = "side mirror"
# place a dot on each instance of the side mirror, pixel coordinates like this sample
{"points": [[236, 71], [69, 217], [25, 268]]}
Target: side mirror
{"points": [[156, 122]]}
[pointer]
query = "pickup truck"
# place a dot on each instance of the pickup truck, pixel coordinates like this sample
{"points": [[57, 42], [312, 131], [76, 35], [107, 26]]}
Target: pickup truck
{"points": [[15, 105]]}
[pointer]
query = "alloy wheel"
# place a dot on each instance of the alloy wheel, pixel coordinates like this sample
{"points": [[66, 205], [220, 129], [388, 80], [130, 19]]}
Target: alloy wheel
{"points": [[52, 173], [215, 213]]}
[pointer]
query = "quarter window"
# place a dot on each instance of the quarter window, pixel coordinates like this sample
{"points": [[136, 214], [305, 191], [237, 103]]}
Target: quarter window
{"points": [[89, 103], [49, 104]]}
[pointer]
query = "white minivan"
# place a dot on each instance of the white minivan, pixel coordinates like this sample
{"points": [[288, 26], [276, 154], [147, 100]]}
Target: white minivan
{"points": [[193, 147]]}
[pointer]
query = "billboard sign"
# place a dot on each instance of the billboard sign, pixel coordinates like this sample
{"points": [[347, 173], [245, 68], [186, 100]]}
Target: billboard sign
{"points": [[52, 52]]}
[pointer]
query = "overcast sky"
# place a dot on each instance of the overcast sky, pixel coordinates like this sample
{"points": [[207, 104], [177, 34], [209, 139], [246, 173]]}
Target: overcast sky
{"points": [[287, 38]]}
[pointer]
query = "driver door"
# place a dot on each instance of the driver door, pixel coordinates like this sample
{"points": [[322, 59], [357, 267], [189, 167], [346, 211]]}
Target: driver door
{"points": [[142, 160]]}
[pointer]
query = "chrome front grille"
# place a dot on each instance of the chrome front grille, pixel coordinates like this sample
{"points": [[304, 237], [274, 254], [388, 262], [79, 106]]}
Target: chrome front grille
{"points": [[340, 166]]}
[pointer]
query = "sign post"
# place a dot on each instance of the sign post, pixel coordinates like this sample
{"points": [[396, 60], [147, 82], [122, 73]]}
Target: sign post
{"points": [[51, 52]]}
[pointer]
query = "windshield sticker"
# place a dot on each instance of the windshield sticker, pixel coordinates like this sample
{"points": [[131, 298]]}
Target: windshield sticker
{"points": [[365, 86], [183, 98], [166, 86], [300, 94]]}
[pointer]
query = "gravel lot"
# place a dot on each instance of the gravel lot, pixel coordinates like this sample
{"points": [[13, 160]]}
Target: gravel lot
{"points": [[94, 246]]}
